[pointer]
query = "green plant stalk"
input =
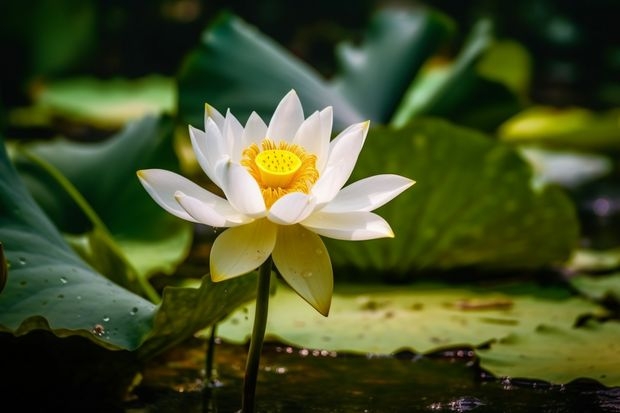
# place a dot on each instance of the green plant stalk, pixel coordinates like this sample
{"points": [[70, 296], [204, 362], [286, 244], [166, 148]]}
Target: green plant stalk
{"points": [[256, 341]]}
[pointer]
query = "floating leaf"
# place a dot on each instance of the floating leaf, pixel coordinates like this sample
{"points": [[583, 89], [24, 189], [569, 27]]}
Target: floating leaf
{"points": [[107, 104], [558, 354], [473, 205], [575, 127], [598, 287], [424, 318]]}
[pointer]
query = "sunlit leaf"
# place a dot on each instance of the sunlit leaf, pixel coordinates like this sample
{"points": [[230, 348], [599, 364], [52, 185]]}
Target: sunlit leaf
{"points": [[599, 287], [594, 261], [516, 320], [473, 205], [558, 354], [108, 104], [507, 62], [574, 127]]}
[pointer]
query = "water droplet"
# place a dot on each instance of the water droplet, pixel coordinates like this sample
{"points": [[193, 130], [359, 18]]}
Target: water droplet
{"points": [[318, 251], [79, 297], [22, 260], [98, 330], [106, 318], [307, 274], [133, 311], [63, 280]]}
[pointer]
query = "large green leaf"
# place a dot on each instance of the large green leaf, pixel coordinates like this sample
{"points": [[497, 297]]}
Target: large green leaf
{"points": [[99, 180], [520, 326], [49, 287], [397, 42], [239, 68], [473, 205]]}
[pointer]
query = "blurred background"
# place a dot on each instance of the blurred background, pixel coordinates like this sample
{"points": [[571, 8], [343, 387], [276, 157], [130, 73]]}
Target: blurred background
{"points": [[574, 44]]}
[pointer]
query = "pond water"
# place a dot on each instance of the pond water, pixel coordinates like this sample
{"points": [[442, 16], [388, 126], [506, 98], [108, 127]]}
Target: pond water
{"points": [[297, 380]]}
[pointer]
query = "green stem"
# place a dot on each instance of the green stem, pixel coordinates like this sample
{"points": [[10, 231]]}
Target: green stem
{"points": [[210, 355], [258, 335]]}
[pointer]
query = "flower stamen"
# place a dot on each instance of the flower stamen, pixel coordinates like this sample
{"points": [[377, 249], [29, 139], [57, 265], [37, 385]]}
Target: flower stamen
{"points": [[277, 167], [280, 168]]}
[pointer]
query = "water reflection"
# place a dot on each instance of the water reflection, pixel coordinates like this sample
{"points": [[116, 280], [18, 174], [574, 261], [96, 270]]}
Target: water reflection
{"points": [[294, 380]]}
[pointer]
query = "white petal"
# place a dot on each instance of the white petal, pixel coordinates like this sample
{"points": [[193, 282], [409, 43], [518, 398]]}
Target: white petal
{"points": [[302, 259], [199, 145], [286, 119], [351, 226], [345, 149], [314, 137], [215, 115], [368, 194], [233, 134], [255, 130], [240, 250], [242, 191], [211, 210], [214, 151], [291, 208], [161, 185], [328, 185], [327, 119]]}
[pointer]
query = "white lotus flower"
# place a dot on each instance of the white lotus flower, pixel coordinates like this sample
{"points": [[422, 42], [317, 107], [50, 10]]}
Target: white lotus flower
{"points": [[283, 186]]}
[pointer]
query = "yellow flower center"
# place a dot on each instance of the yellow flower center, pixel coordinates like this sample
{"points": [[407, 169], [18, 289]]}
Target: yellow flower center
{"points": [[280, 168], [277, 166]]}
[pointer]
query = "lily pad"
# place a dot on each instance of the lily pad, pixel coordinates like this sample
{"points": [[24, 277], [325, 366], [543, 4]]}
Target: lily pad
{"points": [[474, 205], [107, 104], [575, 127], [599, 287], [509, 320], [558, 354]]}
